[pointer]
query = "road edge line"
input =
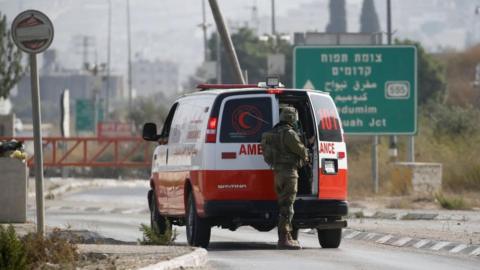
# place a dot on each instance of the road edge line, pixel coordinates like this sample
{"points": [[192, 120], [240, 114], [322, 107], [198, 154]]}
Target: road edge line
{"points": [[196, 258]]}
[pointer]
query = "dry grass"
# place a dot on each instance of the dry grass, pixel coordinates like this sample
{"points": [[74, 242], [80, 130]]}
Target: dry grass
{"points": [[458, 155], [53, 249], [460, 72]]}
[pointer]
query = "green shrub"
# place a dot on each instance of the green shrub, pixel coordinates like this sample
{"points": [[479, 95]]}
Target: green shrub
{"points": [[452, 120], [152, 237], [451, 203], [12, 250], [33, 251]]}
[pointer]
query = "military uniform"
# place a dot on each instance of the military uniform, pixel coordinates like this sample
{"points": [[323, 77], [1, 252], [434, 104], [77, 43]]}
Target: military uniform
{"points": [[291, 154]]}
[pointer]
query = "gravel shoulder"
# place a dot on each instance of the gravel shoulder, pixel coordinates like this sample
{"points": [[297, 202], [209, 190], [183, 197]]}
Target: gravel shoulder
{"points": [[425, 220], [127, 256]]}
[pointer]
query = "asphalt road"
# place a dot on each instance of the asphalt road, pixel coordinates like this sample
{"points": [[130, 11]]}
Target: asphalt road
{"points": [[117, 212]]}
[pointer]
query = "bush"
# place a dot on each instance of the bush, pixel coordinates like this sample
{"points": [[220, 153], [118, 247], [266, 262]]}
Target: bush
{"points": [[452, 120], [451, 203], [152, 237], [12, 250]]}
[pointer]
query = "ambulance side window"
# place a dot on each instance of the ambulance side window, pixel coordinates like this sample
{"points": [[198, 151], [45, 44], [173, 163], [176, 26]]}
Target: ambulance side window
{"points": [[168, 122], [329, 126], [245, 119]]}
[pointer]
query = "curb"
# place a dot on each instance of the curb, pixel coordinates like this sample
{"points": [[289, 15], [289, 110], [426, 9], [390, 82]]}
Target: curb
{"points": [[359, 213], [197, 258], [417, 243]]}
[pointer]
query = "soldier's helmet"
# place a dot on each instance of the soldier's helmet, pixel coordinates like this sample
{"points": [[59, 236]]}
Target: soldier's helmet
{"points": [[288, 114]]}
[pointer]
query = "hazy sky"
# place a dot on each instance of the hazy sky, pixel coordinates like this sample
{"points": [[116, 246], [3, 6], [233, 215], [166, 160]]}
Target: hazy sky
{"points": [[168, 29]]}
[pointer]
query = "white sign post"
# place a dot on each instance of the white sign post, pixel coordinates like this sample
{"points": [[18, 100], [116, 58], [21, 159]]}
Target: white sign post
{"points": [[32, 32]]}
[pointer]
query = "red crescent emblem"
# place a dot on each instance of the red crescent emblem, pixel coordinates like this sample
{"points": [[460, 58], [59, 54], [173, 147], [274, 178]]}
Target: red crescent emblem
{"points": [[241, 120], [247, 119]]}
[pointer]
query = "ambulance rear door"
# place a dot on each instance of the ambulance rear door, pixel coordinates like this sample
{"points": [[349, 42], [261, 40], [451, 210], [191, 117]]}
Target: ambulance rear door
{"points": [[332, 155], [242, 172]]}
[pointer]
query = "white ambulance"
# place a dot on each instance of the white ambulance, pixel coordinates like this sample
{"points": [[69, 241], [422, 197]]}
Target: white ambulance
{"points": [[208, 169]]}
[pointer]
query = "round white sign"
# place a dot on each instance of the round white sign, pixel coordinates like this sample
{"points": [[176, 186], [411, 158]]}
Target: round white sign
{"points": [[32, 31]]}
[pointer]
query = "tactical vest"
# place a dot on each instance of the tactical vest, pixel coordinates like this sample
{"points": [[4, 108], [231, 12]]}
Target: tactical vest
{"points": [[273, 144]]}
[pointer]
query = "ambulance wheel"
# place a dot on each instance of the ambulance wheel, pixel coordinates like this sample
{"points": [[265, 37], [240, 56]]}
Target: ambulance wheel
{"points": [[330, 238], [198, 229], [157, 222]]}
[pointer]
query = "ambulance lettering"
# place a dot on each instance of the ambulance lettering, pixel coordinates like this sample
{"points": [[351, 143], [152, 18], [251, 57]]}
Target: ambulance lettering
{"points": [[327, 148], [250, 149]]}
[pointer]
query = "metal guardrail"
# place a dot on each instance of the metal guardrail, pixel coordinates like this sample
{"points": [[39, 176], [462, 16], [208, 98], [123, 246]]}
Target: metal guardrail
{"points": [[118, 152]]}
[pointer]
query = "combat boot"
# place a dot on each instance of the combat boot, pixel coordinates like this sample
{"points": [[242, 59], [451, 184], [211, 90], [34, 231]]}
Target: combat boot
{"points": [[293, 241], [285, 243]]}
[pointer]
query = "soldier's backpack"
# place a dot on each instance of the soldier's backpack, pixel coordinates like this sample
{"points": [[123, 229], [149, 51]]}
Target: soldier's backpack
{"points": [[271, 141]]}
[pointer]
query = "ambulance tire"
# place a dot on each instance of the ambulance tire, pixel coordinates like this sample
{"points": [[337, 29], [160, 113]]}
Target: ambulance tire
{"points": [[157, 222], [198, 229], [329, 238]]}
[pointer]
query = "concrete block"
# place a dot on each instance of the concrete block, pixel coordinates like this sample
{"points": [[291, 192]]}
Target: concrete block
{"points": [[422, 178], [13, 191], [7, 125]]}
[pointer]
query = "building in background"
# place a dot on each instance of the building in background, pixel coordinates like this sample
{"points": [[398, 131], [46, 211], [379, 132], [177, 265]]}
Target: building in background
{"points": [[151, 77], [54, 79]]}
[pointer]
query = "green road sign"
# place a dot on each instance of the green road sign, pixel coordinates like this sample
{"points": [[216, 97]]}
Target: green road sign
{"points": [[84, 115], [374, 88]]}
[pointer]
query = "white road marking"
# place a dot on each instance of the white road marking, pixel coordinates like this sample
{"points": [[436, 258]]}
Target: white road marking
{"points": [[384, 239], [352, 235], [440, 245], [421, 243], [458, 248], [370, 236], [476, 252], [402, 241]]}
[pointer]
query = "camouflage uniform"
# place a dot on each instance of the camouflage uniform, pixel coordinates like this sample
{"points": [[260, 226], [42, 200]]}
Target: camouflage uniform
{"points": [[291, 155]]}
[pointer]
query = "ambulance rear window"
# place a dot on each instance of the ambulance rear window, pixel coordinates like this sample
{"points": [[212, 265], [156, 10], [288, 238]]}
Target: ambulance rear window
{"points": [[328, 121], [245, 119]]}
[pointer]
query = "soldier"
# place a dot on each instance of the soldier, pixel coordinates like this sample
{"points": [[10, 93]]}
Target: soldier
{"points": [[290, 155]]}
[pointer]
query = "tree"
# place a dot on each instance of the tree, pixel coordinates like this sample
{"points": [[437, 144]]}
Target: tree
{"points": [[369, 19], [10, 60], [338, 17], [252, 54], [147, 109], [431, 75]]}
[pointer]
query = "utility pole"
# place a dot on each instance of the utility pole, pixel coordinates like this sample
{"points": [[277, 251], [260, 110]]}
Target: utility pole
{"points": [[389, 22], [204, 28], [219, 58], [227, 41], [85, 50], [255, 21], [392, 149], [87, 44], [109, 48], [274, 31], [129, 58]]}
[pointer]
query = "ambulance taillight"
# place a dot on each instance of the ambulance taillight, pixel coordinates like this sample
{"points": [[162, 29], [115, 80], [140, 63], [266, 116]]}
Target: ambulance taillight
{"points": [[274, 91], [211, 136]]}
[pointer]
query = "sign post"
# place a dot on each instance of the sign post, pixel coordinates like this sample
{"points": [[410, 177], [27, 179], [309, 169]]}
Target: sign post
{"points": [[32, 32]]}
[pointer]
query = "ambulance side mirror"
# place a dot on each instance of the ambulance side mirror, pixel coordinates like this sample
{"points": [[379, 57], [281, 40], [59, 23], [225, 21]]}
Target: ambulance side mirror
{"points": [[149, 132]]}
